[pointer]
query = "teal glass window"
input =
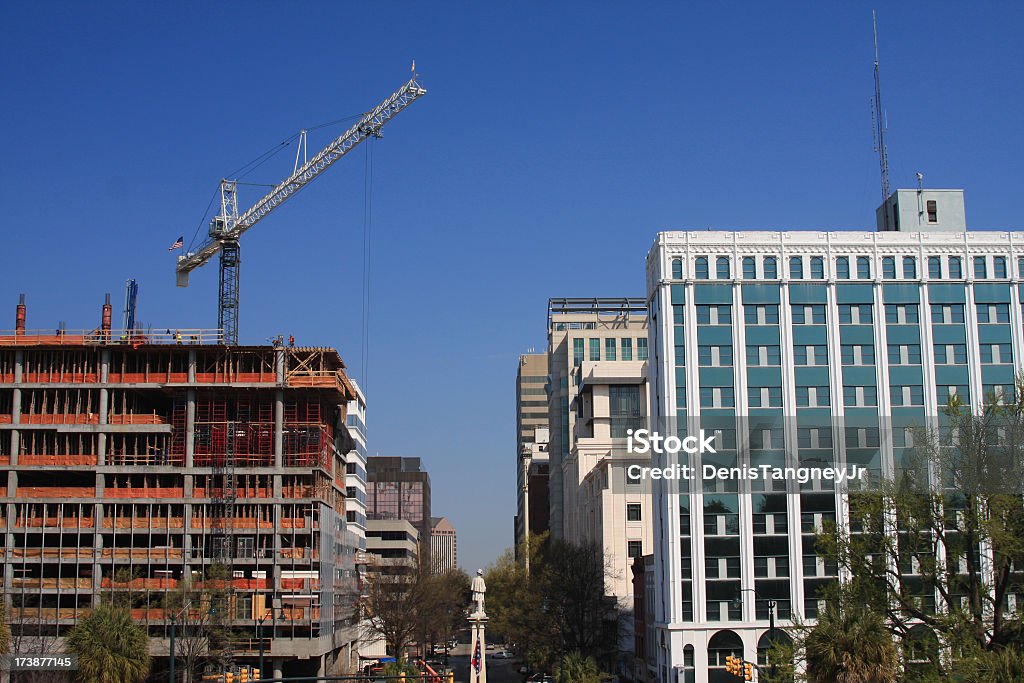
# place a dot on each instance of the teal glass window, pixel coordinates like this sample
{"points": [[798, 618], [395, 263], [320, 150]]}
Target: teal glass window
{"points": [[979, 268], [700, 267], [955, 268], [609, 349], [842, 268], [796, 268], [909, 267], [722, 268], [863, 267], [749, 267], [677, 268], [888, 267], [999, 267], [817, 268]]}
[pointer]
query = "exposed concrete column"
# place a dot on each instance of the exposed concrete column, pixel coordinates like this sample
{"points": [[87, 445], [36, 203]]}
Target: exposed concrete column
{"points": [[191, 366], [101, 439], [19, 366], [278, 667], [278, 435], [190, 440], [190, 426]]}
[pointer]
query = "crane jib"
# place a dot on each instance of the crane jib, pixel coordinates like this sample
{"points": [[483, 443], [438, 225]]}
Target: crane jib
{"points": [[367, 126]]}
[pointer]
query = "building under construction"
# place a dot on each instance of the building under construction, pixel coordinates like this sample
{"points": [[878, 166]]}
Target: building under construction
{"points": [[146, 464]]}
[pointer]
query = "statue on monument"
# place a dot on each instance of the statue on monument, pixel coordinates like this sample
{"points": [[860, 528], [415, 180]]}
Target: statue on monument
{"points": [[479, 588]]}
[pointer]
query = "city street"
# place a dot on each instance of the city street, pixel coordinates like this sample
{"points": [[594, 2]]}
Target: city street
{"points": [[498, 670]]}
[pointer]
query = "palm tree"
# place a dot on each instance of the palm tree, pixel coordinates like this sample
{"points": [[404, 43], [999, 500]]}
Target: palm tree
{"points": [[111, 648], [575, 668], [850, 646]]}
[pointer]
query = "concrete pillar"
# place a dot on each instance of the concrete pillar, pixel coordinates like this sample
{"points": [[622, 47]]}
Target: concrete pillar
{"points": [[190, 426], [104, 408], [278, 667], [478, 625]]}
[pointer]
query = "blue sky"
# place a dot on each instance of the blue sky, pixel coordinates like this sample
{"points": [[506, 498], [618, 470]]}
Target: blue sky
{"points": [[555, 140]]}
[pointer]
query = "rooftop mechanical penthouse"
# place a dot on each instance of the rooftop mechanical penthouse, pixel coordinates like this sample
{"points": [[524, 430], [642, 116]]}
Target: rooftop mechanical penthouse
{"points": [[135, 461]]}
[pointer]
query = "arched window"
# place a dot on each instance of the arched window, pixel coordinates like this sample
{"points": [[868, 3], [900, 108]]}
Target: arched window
{"points": [[909, 268], [723, 644], [863, 268], [771, 268], [765, 655], [817, 268], [842, 268], [749, 267], [888, 268], [689, 666], [980, 271], [796, 268], [999, 266], [956, 271], [700, 267], [722, 268], [934, 267], [677, 268]]}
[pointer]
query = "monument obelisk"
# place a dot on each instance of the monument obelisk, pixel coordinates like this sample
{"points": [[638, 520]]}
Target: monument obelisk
{"points": [[478, 625]]}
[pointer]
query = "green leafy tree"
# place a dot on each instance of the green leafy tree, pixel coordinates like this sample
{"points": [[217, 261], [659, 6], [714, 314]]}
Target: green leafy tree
{"points": [[850, 645], [558, 607], [937, 550], [111, 648]]}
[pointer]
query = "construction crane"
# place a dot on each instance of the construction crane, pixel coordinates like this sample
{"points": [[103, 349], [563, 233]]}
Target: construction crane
{"points": [[229, 225]]}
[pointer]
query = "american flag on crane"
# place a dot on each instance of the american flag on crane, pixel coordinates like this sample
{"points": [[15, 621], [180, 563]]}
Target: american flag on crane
{"points": [[178, 244]]}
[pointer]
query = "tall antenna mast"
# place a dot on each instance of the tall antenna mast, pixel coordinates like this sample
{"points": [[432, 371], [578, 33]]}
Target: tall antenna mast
{"points": [[879, 119]]}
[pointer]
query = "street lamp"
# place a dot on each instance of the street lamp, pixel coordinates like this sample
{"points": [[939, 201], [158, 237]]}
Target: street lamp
{"points": [[275, 603], [771, 625]]}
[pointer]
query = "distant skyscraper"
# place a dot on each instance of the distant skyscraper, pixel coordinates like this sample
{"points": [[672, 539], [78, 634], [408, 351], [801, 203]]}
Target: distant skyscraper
{"points": [[443, 545], [398, 489], [582, 330], [532, 511], [355, 467]]}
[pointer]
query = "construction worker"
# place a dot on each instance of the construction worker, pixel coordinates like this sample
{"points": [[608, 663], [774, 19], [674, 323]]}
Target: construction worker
{"points": [[291, 340], [177, 336]]}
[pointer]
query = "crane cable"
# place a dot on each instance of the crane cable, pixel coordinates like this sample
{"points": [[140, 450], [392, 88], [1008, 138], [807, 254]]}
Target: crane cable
{"points": [[367, 259], [248, 168]]}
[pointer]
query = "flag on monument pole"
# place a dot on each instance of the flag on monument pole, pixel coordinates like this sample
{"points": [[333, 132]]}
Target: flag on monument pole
{"points": [[476, 656]]}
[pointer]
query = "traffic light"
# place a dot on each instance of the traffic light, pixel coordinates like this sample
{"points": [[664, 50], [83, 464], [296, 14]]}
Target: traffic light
{"points": [[229, 677], [732, 665], [748, 671], [243, 675], [255, 674]]}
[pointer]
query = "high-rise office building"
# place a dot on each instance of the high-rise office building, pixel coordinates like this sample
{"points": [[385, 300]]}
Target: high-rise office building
{"points": [[608, 329], [396, 488], [444, 549], [532, 512], [793, 348], [355, 467]]}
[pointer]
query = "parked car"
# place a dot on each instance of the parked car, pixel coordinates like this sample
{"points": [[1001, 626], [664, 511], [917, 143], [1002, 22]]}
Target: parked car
{"points": [[502, 654]]}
